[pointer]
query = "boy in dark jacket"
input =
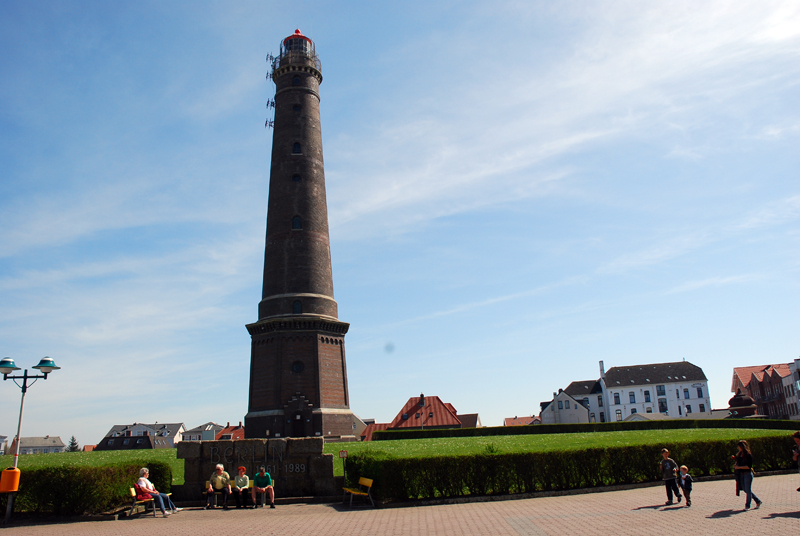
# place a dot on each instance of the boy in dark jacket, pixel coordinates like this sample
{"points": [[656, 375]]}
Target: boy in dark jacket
{"points": [[669, 472], [685, 482]]}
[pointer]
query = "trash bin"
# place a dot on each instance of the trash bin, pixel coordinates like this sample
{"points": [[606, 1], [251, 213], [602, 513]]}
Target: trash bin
{"points": [[9, 480]]}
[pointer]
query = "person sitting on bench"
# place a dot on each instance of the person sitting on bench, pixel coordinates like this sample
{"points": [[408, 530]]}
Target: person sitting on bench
{"points": [[262, 483], [218, 482], [159, 498]]}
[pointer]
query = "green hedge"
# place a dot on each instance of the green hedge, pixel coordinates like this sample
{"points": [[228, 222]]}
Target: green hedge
{"points": [[673, 424], [63, 490], [397, 479]]}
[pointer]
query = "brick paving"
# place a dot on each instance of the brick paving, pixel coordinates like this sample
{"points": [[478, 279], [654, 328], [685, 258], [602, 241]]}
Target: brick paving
{"points": [[635, 512]]}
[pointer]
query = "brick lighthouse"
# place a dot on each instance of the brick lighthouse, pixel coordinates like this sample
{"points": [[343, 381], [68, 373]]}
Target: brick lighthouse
{"points": [[298, 375]]}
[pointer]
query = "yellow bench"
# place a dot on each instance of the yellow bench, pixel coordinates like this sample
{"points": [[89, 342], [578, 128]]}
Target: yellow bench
{"points": [[364, 490], [143, 502]]}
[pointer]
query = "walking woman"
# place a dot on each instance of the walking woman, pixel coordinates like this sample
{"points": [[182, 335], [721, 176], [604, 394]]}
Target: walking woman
{"points": [[743, 470]]}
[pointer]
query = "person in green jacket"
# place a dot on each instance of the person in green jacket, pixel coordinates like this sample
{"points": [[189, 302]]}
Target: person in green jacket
{"points": [[262, 483]]}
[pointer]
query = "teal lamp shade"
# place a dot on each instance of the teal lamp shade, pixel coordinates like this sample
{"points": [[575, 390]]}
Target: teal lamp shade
{"points": [[7, 366], [46, 365]]}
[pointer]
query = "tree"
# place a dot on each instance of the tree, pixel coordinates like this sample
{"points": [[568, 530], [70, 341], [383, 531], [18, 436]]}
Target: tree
{"points": [[73, 446]]}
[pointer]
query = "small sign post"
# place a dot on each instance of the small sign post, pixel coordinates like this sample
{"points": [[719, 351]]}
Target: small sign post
{"points": [[343, 456]]}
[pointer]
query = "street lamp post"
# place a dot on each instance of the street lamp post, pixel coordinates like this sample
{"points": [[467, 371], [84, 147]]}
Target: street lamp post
{"points": [[7, 366]]}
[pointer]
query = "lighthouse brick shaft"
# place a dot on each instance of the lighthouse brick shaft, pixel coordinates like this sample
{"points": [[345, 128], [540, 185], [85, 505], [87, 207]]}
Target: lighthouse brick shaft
{"points": [[298, 373]]}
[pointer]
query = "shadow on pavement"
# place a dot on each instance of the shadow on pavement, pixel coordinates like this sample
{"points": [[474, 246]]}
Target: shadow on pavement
{"points": [[783, 514], [724, 513], [654, 507]]}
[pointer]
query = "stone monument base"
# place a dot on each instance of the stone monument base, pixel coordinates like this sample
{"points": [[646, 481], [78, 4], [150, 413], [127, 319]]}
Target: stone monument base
{"points": [[298, 466]]}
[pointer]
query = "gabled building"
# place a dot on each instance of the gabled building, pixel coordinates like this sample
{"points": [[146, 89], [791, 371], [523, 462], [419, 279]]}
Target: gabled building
{"points": [[677, 389], [522, 421], [424, 412], [142, 436], [231, 432], [563, 409], [590, 394], [38, 445], [764, 384], [204, 432]]}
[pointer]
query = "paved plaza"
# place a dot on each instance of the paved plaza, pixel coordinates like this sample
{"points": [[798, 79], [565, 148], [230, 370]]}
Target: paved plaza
{"points": [[715, 510]]}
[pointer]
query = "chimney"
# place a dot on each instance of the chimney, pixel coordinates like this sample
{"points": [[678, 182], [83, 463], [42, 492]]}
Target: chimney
{"points": [[228, 425], [602, 371], [422, 400], [240, 424]]}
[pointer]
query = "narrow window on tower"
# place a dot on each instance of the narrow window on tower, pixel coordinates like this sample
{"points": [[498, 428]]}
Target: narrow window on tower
{"points": [[296, 178], [296, 149], [296, 81], [297, 223], [296, 107], [297, 308]]}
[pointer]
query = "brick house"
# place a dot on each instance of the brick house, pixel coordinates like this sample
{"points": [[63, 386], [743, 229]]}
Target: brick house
{"points": [[765, 385], [424, 412]]}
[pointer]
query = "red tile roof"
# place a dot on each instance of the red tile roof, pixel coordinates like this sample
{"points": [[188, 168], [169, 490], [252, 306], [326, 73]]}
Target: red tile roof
{"points": [[746, 374], [432, 412], [366, 435], [236, 432], [521, 421]]}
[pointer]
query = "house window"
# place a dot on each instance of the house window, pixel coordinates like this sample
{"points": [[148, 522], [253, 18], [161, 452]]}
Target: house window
{"points": [[566, 404], [647, 396], [139, 441], [110, 442], [688, 409], [297, 223], [602, 417], [702, 408], [686, 394], [585, 403], [560, 405], [405, 416], [677, 393], [680, 410], [296, 149], [648, 409], [600, 400], [660, 390], [591, 417], [662, 405], [632, 397], [699, 392], [619, 414], [633, 411], [126, 441], [616, 399]]}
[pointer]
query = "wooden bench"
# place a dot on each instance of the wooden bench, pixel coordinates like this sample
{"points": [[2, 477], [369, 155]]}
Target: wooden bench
{"points": [[232, 484], [143, 502], [364, 490]]}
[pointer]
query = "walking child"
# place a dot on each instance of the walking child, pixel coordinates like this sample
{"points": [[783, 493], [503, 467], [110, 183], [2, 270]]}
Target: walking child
{"points": [[685, 482], [669, 472]]}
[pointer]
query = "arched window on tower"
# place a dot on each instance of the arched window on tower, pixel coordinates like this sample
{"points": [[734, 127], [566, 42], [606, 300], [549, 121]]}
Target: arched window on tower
{"points": [[297, 308], [297, 223], [296, 81], [296, 149]]}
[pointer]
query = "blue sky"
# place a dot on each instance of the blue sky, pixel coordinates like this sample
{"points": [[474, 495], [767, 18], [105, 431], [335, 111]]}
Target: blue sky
{"points": [[516, 191]]}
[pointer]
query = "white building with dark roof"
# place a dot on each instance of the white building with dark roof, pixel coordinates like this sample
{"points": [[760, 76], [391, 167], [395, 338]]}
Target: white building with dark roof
{"points": [[142, 436], [563, 409], [38, 445], [678, 389], [590, 394]]}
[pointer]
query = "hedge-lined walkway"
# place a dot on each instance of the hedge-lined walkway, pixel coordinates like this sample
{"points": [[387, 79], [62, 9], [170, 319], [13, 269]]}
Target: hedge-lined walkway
{"points": [[715, 510]]}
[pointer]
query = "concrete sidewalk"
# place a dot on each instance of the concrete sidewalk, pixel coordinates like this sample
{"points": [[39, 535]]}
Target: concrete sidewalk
{"points": [[715, 510]]}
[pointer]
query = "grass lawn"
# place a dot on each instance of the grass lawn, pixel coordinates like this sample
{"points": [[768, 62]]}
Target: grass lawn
{"points": [[420, 448], [97, 458]]}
